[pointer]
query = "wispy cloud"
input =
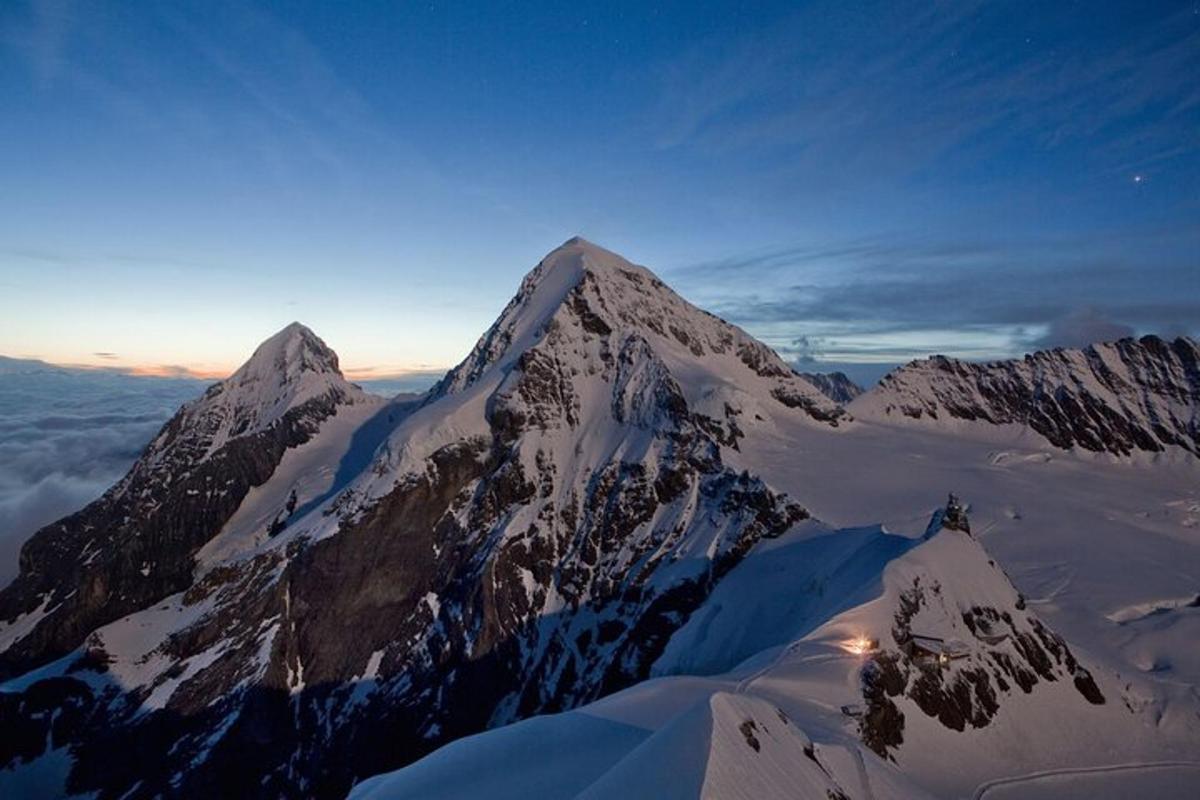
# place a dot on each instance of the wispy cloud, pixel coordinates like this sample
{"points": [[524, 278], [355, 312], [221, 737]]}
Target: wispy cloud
{"points": [[371, 373], [27, 365], [898, 297], [283, 109], [300, 98], [174, 371], [830, 87], [1080, 328]]}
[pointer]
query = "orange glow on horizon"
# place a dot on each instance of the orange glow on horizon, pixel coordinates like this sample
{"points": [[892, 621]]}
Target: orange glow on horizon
{"points": [[211, 373], [387, 373], [160, 371]]}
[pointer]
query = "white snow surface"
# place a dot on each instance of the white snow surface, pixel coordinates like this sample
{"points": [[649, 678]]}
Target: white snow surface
{"points": [[308, 470], [793, 686]]}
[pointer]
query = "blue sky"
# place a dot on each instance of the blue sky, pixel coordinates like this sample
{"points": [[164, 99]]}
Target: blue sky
{"points": [[849, 181]]}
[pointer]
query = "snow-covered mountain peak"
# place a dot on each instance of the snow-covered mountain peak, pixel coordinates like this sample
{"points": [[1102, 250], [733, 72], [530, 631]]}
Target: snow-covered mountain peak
{"points": [[1115, 397], [587, 310], [136, 544], [289, 369], [837, 386], [580, 254], [293, 350]]}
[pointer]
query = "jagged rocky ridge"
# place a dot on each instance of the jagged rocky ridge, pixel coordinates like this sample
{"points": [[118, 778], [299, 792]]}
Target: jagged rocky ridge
{"points": [[525, 542], [135, 545], [1121, 397]]}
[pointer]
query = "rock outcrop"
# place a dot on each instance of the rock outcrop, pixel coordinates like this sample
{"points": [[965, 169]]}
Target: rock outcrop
{"points": [[1119, 398], [962, 641]]}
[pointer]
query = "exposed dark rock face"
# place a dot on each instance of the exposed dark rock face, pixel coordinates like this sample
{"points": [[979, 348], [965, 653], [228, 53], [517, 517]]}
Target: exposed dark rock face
{"points": [[1126, 396], [748, 729], [837, 386], [135, 545], [961, 683], [882, 725], [1010, 652], [953, 517]]}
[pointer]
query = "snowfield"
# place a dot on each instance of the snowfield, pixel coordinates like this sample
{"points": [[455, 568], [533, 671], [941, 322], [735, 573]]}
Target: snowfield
{"points": [[774, 646]]}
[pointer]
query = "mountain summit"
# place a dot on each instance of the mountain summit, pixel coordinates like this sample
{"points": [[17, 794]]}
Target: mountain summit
{"points": [[293, 350], [135, 545], [582, 293], [287, 371]]}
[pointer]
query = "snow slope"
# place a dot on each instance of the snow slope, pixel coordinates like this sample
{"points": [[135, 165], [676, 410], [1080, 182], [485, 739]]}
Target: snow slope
{"points": [[137, 543], [775, 723], [306, 476]]}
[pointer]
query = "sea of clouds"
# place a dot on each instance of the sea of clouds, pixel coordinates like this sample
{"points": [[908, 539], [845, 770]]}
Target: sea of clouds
{"points": [[66, 436]]}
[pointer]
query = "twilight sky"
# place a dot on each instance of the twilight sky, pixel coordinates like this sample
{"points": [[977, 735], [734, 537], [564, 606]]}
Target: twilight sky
{"points": [[849, 181]]}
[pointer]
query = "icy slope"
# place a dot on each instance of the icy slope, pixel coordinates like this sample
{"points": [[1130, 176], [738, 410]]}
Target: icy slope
{"points": [[730, 746], [1120, 397], [853, 707], [136, 544]]}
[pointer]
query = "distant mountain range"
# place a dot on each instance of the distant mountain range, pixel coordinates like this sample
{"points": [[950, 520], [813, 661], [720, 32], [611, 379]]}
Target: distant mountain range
{"points": [[1118, 397], [300, 585]]}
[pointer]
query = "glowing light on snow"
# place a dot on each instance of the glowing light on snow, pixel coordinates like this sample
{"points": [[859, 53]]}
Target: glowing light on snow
{"points": [[858, 645]]}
